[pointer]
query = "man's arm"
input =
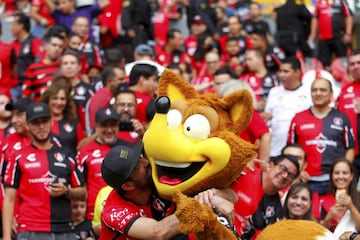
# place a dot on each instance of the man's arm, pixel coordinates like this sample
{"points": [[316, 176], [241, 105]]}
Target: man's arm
{"points": [[8, 212], [313, 28], [148, 228], [51, 5], [350, 154], [264, 146], [348, 29]]}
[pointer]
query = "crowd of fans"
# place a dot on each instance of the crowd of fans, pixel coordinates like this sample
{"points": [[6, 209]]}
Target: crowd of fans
{"points": [[83, 79]]}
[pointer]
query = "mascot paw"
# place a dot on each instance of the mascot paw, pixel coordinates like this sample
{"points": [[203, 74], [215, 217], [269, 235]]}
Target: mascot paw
{"points": [[193, 216]]}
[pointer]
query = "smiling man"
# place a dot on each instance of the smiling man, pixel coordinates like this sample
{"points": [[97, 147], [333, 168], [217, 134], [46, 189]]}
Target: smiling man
{"points": [[259, 205], [324, 133]]}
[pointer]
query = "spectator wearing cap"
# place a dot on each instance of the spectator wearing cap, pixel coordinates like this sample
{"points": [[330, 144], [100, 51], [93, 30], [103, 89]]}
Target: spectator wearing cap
{"points": [[144, 83], [143, 54], [17, 141], [197, 28], [111, 77], [5, 116], [91, 155], [128, 172], [42, 178], [21, 137]]}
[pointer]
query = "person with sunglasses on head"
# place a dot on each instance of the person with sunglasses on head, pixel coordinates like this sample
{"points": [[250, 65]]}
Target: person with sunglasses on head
{"points": [[258, 192]]}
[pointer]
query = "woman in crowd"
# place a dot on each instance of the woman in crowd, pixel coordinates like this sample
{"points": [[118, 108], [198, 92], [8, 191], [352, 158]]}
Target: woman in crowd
{"points": [[66, 127], [339, 209], [298, 202]]}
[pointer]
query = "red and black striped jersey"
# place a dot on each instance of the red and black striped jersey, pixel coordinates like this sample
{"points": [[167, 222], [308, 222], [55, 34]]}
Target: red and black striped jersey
{"points": [[38, 77]]}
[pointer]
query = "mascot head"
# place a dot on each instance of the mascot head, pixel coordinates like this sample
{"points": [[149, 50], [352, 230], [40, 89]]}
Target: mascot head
{"points": [[192, 141]]}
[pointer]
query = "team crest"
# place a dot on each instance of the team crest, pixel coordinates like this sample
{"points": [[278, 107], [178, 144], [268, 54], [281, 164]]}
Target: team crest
{"points": [[338, 121], [158, 205], [68, 128], [269, 212], [80, 90], [59, 157]]}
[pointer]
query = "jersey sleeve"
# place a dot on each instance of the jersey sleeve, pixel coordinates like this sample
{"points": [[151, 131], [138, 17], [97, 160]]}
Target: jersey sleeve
{"points": [[77, 179], [292, 131], [349, 138], [12, 172]]}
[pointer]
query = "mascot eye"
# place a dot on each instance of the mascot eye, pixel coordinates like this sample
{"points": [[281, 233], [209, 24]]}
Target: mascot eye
{"points": [[174, 119], [197, 127]]}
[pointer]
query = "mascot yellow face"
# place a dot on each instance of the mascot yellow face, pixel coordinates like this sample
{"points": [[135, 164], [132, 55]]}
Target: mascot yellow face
{"points": [[192, 141]]}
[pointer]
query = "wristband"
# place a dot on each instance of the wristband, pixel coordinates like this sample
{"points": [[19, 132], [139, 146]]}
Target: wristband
{"points": [[353, 236], [43, 22]]}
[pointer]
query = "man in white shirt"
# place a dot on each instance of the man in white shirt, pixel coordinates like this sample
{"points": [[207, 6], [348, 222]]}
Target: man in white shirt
{"points": [[284, 102]]}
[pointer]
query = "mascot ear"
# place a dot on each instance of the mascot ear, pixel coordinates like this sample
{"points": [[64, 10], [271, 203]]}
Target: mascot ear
{"points": [[175, 87], [239, 105]]}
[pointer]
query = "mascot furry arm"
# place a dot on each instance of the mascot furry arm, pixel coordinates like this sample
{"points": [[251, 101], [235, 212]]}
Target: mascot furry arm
{"points": [[192, 145]]}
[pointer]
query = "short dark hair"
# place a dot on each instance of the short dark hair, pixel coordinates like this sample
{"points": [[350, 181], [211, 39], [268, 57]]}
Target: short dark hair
{"points": [[294, 145], [141, 70], [171, 34], [58, 29], [293, 61], [113, 56], [72, 53], [259, 32], [226, 70], [278, 159], [24, 20], [48, 37], [125, 91]]}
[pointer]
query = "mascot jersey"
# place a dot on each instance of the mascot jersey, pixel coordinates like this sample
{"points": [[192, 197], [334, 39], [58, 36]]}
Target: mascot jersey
{"points": [[254, 210], [120, 213]]}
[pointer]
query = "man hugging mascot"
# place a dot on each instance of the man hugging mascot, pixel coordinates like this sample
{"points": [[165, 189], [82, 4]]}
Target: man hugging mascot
{"points": [[193, 145]]}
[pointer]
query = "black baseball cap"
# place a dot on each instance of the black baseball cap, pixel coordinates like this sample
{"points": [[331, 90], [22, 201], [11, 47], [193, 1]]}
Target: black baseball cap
{"points": [[106, 113], [21, 104], [119, 164], [37, 110]]}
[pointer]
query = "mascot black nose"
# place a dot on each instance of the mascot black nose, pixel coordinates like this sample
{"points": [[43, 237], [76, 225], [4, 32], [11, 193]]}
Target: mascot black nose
{"points": [[162, 104]]}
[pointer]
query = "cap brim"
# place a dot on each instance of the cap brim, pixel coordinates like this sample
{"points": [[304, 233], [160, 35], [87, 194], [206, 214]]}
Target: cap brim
{"points": [[30, 119]]}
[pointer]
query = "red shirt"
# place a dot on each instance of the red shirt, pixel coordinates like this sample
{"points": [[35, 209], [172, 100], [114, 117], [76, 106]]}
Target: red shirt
{"points": [[255, 129], [249, 197], [331, 16], [89, 159], [31, 173], [345, 104], [43, 11], [5, 65], [142, 102]]}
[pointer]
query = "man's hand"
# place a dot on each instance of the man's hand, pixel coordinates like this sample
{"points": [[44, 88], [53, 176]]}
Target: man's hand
{"points": [[138, 127], [58, 189]]}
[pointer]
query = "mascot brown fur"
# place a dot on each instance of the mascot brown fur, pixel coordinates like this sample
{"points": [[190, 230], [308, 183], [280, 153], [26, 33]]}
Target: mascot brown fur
{"points": [[296, 230], [193, 145]]}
